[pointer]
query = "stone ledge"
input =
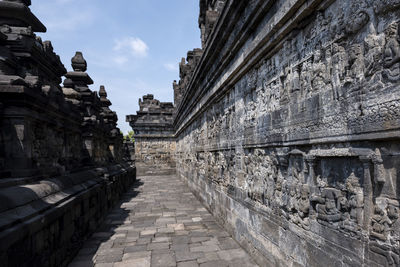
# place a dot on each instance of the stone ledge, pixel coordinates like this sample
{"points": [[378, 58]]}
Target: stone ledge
{"points": [[68, 208]]}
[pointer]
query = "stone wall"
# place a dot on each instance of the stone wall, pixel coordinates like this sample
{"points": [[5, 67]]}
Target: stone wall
{"points": [[45, 222], [62, 158], [288, 129]]}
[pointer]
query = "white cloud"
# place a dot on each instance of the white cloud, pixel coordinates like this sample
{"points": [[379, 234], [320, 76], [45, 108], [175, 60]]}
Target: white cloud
{"points": [[133, 45], [171, 66], [120, 60]]}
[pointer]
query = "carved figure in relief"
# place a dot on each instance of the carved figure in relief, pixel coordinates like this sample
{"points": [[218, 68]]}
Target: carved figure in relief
{"points": [[280, 192], [266, 96], [285, 197], [261, 101], [284, 85], [297, 172], [256, 190], [201, 163], [222, 167], [305, 78], [294, 79], [392, 54], [373, 59], [394, 214], [320, 28], [328, 204], [302, 207], [356, 21], [292, 199], [380, 224], [287, 81], [274, 96], [251, 112], [337, 26], [259, 174], [357, 68], [385, 216], [353, 215], [249, 170], [339, 65], [318, 72], [270, 174], [215, 174]]}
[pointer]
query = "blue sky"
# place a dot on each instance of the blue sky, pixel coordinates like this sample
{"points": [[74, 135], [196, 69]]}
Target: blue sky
{"points": [[131, 46]]}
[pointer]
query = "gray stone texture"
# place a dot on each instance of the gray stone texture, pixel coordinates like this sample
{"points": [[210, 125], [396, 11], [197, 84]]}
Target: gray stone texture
{"points": [[287, 129]]}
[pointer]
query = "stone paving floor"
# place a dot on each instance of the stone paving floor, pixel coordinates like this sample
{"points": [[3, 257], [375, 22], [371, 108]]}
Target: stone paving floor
{"points": [[160, 223]]}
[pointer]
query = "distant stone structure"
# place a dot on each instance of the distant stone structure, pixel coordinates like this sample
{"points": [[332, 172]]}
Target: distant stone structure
{"points": [[62, 158], [287, 128], [186, 69], [154, 142]]}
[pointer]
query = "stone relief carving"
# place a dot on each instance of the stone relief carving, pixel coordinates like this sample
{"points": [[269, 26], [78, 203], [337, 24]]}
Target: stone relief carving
{"points": [[335, 187], [391, 61], [335, 78]]}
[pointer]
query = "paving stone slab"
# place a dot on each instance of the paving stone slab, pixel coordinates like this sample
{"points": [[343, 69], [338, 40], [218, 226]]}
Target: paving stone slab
{"points": [[163, 260], [186, 255], [141, 262], [164, 225], [136, 255], [135, 248]]}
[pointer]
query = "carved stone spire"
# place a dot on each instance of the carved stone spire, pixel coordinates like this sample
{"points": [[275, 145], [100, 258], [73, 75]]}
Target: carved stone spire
{"points": [[78, 62], [102, 91], [79, 76], [105, 102]]}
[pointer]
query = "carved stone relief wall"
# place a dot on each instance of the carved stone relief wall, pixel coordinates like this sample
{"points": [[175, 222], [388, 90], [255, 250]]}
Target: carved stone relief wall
{"points": [[294, 143], [156, 152]]}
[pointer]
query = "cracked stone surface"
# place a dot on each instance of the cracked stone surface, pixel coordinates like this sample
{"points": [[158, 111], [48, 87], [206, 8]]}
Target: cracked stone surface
{"points": [[159, 222]]}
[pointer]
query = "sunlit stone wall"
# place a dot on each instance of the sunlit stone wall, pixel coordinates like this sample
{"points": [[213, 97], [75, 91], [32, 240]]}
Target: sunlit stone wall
{"points": [[289, 130]]}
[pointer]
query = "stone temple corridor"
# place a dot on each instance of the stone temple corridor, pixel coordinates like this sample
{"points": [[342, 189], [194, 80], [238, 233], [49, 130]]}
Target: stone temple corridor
{"points": [[159, 222], [281, 146]]}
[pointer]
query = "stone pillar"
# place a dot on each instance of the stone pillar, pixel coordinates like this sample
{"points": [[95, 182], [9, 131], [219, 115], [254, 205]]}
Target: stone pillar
{"points": [[311, 162], [311, 181], [368, 191]]}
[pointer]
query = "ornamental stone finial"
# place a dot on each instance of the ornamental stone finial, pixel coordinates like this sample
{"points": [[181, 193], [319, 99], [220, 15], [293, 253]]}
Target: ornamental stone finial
{"points": [[79, 62], [102, 91]]}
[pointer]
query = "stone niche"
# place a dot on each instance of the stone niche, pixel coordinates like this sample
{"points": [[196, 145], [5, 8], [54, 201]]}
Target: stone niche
{"points": [[287, 128], [62, 158]]}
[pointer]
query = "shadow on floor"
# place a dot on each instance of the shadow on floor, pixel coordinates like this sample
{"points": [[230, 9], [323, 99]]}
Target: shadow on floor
{"points": [[115, 219]]}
